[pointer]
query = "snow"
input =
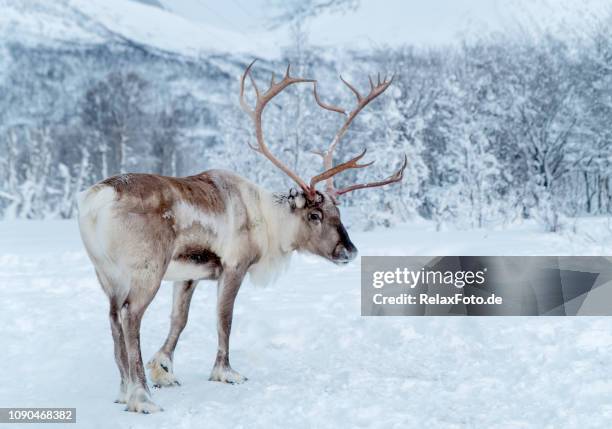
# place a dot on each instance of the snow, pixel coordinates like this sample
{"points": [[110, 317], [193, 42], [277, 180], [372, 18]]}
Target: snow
{"points": [[397, 22], [87, 21], [162, 29], [196, 28], [37, 21], [311, 359]]}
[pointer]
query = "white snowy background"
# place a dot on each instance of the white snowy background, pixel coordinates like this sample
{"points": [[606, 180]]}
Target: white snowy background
{"points": [[311, 359], [503, 107]]}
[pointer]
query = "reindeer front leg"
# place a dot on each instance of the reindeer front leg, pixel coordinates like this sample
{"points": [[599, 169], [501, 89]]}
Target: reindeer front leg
{"points": [[228, 287], [161, 365]]}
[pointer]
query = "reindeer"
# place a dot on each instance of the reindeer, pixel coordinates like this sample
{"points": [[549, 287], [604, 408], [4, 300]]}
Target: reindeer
{"points": [[140, 229]]}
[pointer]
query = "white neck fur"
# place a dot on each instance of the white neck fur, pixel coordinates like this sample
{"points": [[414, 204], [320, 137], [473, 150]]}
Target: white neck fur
{"points": [[277, 239]]}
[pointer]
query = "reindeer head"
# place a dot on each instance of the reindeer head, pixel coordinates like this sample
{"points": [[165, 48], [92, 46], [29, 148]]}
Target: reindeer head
{"points": [[321, 231]]}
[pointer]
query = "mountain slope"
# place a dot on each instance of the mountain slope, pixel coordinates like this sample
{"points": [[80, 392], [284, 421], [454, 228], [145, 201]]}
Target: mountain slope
{"points": [[40, 22]]}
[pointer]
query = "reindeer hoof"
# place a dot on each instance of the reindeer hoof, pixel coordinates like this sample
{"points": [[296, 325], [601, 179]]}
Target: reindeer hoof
{"points": [[159, 386], [160, 371], [226, 375], [140, 402]]}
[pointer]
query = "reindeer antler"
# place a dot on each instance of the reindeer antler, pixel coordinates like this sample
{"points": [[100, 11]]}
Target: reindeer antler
{"points": [[256, 114], [330, 170]]}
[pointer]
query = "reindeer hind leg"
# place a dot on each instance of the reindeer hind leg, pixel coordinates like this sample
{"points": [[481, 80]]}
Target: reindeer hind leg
{"points": [[143, 288], [116, 300]]}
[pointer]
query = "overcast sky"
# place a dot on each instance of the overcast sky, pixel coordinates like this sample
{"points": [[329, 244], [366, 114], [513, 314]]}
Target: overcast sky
{"points": [[379, 22]]}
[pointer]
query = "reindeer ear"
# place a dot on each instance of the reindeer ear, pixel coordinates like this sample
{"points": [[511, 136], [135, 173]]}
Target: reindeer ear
{"points": [[296, 199]]}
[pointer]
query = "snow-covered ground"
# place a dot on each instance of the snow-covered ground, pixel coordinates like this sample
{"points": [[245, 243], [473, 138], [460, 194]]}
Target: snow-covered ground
{"points": [[311, 359]]}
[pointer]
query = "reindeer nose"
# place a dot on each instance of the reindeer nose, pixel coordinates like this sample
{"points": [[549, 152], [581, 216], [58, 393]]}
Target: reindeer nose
{"points": [[348, 254], [345, 253], [345, 250], [352, 251]]}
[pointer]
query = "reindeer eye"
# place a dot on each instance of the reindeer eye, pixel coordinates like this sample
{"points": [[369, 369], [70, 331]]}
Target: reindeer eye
{"points": [[314, 216]]}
